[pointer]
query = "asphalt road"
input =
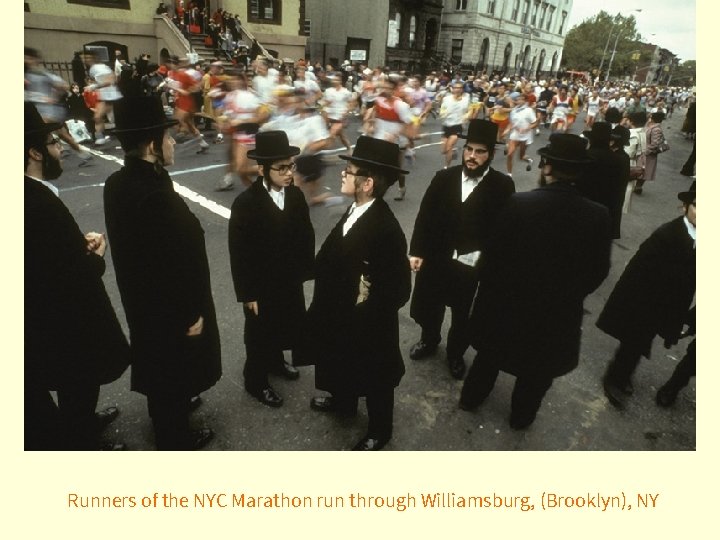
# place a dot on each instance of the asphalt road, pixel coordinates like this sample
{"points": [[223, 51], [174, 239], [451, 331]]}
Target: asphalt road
{"points": [[575, 414]]}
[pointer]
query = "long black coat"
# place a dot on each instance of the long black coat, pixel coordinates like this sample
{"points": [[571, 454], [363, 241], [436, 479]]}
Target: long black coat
{"points": [[606, 182], [444, 224], [654, 293], [355, 347], [272, 253], [550, 250], [72, 335], [158, 248]]}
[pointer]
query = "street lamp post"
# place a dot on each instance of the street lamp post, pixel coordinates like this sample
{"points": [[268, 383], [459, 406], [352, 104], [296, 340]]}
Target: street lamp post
{"points": [[607, 43]]}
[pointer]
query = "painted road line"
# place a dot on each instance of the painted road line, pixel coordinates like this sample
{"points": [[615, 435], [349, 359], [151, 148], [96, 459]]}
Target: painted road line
{"points": [[183, 191]]}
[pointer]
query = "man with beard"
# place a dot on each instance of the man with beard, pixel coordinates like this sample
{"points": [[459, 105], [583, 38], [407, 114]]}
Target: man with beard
{"points": [[73, 341], [551, 248], [456, 219]]}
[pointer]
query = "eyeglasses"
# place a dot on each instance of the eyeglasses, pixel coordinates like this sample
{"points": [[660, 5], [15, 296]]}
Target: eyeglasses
{"points": [[284, 169], [478, 151], [55, 140], [360, 172]]}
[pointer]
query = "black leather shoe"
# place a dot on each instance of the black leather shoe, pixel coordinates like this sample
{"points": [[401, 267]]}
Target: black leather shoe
{"points": [[369, 443], [268, 396], [521, 422], [201, 437], [287, 371], [329, 404], [466, 406], [105, 417], [422, 350], [195, 402], [615, 393], [457, 367], [113, 447], [665, 397]]}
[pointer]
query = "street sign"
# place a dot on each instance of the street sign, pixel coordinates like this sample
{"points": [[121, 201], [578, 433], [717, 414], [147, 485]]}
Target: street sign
{"points": [[358, 55], [529, 30]]}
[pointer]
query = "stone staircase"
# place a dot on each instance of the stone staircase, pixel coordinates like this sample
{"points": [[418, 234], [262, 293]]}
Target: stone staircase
{"points": [[205, 53]]}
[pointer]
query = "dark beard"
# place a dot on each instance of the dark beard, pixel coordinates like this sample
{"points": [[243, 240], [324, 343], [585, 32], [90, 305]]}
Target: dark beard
{"points": [[51, 167], [476, 173]]}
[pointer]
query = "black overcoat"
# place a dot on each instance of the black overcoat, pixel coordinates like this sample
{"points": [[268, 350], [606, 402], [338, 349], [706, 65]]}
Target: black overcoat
{"points": [[444, 224], [550, 250], [355, 346], [72, 335], [606, 182], [158, 249], [272, 252], [654, 293]]}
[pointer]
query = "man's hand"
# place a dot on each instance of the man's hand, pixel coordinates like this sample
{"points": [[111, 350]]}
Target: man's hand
{"points": [[96, 243], [415, 263], [252, 306], [196, 329]]}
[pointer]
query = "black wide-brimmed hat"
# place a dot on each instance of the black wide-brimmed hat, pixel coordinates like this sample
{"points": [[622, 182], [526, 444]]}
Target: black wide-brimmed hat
{"points": [[376, 153], [613, 115], [272, 146], [600, 132], [621, 134], [35, 125], [688, 196], [481, 132], [140, 113], [567, 148], [638, 119]]}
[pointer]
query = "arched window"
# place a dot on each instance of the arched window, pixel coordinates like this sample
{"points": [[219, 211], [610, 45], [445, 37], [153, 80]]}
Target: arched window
{"points": [[506, 57], [413, 25], [483, 61], [553, 69]]}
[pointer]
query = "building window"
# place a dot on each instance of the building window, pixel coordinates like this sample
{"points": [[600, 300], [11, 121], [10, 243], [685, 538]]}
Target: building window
{"points": [[543, 12], [265, 11], [515, 11], [456, 55], [491, 7], [562, 22], [413, 27], [394, 31], [116, 4], [306, 27], [536, 7], [526, 12], [550, 18], [461, 4]]}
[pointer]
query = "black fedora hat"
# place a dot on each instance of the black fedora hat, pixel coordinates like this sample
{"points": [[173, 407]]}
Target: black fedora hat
{"points": [[567, 148], [140, 113], [35, 125], [688, 196], [377, 153], [621, 134], [271, 146], [482, 132], [600, 132]]}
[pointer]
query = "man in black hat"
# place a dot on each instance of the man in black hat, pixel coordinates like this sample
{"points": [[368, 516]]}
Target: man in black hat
{"points": [[161, 266], [606, 182], [272, 250], [551, 248], [652, 297], [73, 341], [362, 279], [456, 218]]}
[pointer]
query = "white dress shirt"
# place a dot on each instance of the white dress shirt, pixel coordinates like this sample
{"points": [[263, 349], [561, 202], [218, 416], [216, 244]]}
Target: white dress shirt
{"points": [[468, 185], [278, 197], [355, 213], [691, 230]]}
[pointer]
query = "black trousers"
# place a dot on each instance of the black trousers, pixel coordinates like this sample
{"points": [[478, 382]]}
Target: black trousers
{"points": [[626, 359], [263, 354], [380, 404], [69, 425], [42, 419], [683, 371], [527, 394], [689, 166], [170, 414], [464, 285]]}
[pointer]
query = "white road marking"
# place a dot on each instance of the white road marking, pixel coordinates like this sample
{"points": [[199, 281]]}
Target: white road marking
{"points": [[193, 196]]}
